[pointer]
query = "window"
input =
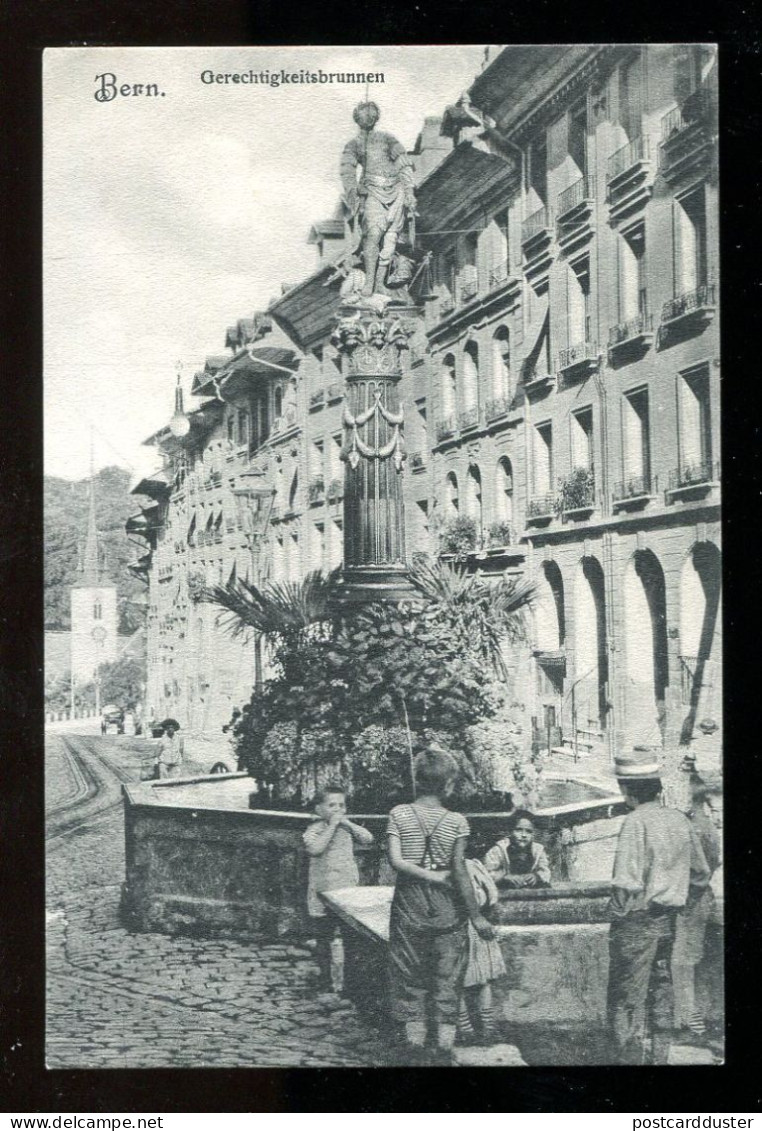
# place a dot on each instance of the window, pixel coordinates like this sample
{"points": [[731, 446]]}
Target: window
{"points": [[687, 74], [501, 363], [471, 249], [504, 490], [449, 271], [633, 296], [582, 439], [695, 439], [502, 240], [637, 437], [579, 301], [474, 496], [317, 455], [318, 546], [536, 168], [630, 111], [231, 428], [97, 611], [453, 503], [449, 400], [578, 137], [278, 401], [690, 242], [471, 375], [542, 470], [243, 426]]}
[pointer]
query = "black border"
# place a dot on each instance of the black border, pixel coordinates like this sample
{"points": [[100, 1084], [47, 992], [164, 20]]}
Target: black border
{"points": [[30, 25]]}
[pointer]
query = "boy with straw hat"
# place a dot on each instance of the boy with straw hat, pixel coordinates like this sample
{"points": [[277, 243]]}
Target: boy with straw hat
{"points": [[657, 857]]}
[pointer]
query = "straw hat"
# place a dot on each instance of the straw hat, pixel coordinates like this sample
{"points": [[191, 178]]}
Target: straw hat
{"points": [[642, 763]]}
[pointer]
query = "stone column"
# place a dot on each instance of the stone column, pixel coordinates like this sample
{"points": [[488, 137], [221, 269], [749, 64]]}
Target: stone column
{"points": [[371, 347]]}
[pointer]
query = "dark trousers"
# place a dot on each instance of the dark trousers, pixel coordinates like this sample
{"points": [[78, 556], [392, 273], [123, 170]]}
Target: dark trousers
{"points": [[426, 969], [324, 928], [640, 979]]}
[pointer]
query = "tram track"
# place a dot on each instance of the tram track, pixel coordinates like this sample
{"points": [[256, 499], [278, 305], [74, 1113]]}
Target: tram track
{"points": [[98, 794]]}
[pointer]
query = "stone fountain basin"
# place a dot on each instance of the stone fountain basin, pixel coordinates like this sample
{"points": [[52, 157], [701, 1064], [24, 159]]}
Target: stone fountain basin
{"points": [[199, 859]]}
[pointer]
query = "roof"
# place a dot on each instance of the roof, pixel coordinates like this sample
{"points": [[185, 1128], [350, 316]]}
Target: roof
{"points": [[306, 310], [326, 229], [154, 485], [449, 188], [260, 361]]}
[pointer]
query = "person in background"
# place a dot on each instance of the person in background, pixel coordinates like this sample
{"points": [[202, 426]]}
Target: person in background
{"points": [[517, 861], [690, 933], [170, 753], [658, 857], [485, 966], [433, 901], [329, 842]]}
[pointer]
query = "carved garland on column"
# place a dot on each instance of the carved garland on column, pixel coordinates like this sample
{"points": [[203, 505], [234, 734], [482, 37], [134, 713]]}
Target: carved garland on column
{"points": [[357, 447]]}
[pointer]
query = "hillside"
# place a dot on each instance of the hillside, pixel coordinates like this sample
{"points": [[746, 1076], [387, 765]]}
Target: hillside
{"points": [[66, 509]]}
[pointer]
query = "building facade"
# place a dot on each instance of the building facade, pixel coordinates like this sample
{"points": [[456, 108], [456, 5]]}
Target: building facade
{"points": [[561, 403]]}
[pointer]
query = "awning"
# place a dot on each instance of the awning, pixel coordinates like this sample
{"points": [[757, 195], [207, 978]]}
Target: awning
{"points": [[537, 331], [156, 485]]}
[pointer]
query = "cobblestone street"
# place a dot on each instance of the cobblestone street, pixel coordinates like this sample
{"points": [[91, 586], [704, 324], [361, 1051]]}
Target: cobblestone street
{"points": [[118, 999]]}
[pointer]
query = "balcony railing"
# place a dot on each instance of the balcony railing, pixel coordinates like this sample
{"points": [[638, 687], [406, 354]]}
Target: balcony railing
{"points": [[578, 354], [468, 289], [417, 461], [446, 428], [695, 109], [694, 475], [469, 418], [686, 303], [499, 275], [542, 506], [636, 327], [534, 225], [575, 195], [637, 487], [630, 154], [496, 408], [317, 398], [577, 491]]}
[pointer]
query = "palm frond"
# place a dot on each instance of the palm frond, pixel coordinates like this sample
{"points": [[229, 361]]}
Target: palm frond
{"points": [[280, 609]]}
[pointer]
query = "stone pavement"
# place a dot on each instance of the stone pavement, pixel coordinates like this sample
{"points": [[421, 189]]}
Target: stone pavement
{"points": [[117, 999]]}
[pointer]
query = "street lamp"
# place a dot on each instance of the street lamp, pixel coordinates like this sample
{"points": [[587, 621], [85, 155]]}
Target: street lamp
{"points": [[179, 425]]}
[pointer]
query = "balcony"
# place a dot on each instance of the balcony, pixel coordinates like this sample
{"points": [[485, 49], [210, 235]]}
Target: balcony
{"points": [[576, 497], [446, 428], [536, 234], [629, 180], [541, 508], [537, 380], [469, 418], [634, 336], [634, 492], [499, 535], [335, 391], [693, 479], [689, 313], [687, 135], [579, 360], [316, 490], [501, 276], [317, 399], [575, 211], [496, 409], [417, 461]]}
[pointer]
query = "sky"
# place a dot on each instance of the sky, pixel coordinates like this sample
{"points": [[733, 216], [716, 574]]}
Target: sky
{"points": [[168, 218]]}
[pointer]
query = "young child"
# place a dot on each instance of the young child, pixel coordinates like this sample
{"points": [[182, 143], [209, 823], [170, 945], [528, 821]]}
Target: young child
{"points": [[516, 861], [329, 840], [485, 965], [433, 901]]}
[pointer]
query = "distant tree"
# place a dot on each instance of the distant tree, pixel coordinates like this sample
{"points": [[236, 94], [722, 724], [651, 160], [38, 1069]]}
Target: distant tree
{"points": [[122, 681], [66, 504]]}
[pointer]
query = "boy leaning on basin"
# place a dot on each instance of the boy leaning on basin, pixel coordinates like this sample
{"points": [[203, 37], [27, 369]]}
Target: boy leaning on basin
{"points": [[443, 954]]}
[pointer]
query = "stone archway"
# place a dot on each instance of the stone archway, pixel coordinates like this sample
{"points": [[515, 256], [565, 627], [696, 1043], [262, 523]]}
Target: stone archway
{"points": [[590, 646], [645, 644], [700, 678]]}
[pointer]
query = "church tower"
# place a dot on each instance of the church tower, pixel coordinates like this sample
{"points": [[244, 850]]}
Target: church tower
{"points": [[93, 606]]}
